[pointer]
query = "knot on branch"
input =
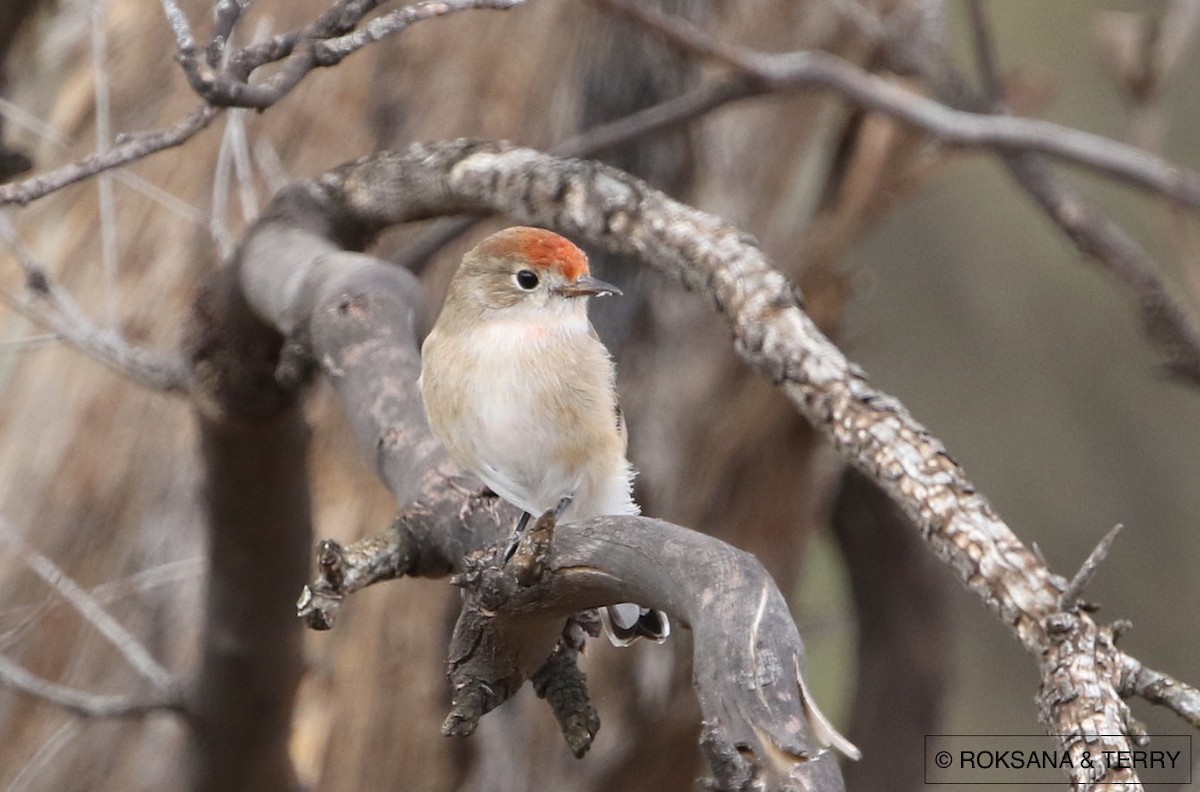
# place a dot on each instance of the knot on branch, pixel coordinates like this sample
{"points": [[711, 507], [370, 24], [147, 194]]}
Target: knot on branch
{"points": [[343, 570], [319, 603], [731, 765], [503, 638]]}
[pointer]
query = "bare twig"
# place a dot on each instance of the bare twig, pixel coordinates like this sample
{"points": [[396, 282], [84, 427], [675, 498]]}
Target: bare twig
{"points": [[48, 132], [325, 42], [122, 640], [222, 78], [91, 705], [1091, 565], [55, 309], [130, 149], [31, 342], [985, 52], [44, 755], [1159, 688], [104, 183], [171, 572], [952, 127]]}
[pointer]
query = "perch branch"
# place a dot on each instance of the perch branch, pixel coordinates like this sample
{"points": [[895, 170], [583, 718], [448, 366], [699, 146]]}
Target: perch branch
{"points": [[872, 430], [363, 320]]}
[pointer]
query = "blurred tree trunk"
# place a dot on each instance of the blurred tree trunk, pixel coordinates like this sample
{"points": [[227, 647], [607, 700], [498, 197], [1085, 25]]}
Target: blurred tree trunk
{"points": [[103, 477]]}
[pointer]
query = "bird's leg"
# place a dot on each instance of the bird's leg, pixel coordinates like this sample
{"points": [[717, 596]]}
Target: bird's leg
{"points": [[562, 505], [515, 539]]}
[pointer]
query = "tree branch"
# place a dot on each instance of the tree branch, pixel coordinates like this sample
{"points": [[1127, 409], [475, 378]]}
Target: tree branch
{"points": [[869, 429], [1158, 688], [130, 149], [1169, 325], [364, 321], [811, 69], [55, 309], [224, 80], [130, 648], [89, 705]]}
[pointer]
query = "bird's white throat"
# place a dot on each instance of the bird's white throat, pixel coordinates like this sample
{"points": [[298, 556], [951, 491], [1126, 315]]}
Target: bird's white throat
{"points": [[535, 327]]}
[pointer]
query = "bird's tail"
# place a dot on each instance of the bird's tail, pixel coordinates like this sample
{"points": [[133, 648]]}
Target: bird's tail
{"points": [[626, 622]]}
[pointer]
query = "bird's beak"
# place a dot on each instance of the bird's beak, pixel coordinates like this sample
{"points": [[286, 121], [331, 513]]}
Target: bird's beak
{"points": [[587, 286]]}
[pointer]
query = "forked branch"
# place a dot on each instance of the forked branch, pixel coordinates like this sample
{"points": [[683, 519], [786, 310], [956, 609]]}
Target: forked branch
{"points": [[874, 432]]}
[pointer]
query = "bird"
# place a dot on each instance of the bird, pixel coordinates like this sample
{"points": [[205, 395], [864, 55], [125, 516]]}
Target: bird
{"points": [[522, 392]]}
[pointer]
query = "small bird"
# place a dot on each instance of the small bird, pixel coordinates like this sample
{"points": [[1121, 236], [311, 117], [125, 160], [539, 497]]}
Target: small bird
{"points": [[522, 392]]}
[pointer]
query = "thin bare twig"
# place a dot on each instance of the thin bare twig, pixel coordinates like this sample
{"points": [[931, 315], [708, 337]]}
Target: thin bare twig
{"points": [[985, 52], [811, 69], [130, 149], [1091, 565], [44, 755], [325, 42], [114, 632], [104, 184], [55, 309], [1159, 688], [47, 132], [91, 705], [169, 573]]}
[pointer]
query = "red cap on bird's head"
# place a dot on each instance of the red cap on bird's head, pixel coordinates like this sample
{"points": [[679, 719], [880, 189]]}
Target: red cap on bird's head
{"points": [[540, 248]]}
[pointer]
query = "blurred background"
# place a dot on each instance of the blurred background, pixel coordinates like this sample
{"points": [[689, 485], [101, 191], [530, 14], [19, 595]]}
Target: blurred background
{"points": [[930, 267]]}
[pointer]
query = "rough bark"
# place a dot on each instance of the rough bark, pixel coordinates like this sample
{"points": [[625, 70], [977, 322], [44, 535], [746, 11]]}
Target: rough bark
{"points": [[870, 429], [362, 319]]}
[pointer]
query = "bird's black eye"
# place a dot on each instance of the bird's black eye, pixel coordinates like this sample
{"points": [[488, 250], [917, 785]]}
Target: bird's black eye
{"points": [[527, 280]]}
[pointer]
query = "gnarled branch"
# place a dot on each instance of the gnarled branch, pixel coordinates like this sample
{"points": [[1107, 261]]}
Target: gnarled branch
{"points": [[1079, 663], [363, 320]]}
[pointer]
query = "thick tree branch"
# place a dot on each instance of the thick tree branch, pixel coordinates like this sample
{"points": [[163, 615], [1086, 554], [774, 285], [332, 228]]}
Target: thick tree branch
{"points": [[871, 430], [363, 320], [253, 441]]}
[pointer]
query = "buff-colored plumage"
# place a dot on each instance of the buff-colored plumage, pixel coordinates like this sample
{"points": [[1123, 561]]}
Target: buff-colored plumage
{"points": [[518, 385]]}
